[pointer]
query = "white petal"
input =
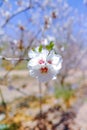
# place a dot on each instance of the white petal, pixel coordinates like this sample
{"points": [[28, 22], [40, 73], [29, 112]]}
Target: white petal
{"points": [[57, 68], [43, 77], [54, 69], [33, 62], [33, 73], [45, 42], [46, 77], [54, 77], [35, 66], [45, 52], [54, 58], [32, 54]]}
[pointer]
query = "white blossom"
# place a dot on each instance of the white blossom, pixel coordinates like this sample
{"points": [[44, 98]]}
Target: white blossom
{"points": [[47, 40], [44, 65]]}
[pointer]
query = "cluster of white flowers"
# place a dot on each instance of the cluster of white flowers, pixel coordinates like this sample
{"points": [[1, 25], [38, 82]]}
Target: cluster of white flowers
{"points": [[44, 65]]}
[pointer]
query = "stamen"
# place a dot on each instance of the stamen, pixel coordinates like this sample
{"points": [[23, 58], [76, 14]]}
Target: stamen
{"points": [[44, 70], [41, 61], [50, 62]]}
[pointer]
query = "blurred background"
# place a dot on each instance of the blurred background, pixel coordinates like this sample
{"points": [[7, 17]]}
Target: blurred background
{"points": [[25, 24]]}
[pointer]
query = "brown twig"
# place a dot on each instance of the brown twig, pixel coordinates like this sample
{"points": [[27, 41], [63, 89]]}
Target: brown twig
{"points": [[40, 98]]}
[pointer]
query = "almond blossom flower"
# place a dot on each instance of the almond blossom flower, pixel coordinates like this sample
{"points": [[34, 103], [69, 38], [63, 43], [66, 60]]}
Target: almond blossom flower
{"points": [[44, 65]]}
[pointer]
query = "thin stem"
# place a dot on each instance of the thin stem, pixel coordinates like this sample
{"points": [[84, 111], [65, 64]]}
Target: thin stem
{"points": [[4, 103], [15, 14], [40, 98], [16, 59]]}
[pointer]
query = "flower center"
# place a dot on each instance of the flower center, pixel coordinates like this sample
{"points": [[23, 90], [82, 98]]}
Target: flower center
{"points": [[41, 61], [44, 70], [50, 62]]}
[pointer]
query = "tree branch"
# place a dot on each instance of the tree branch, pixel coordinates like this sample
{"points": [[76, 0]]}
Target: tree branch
{"points": [[15, 14]]}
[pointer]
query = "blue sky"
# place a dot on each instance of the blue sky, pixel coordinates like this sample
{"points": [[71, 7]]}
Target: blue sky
{"points": [[78, 4]]}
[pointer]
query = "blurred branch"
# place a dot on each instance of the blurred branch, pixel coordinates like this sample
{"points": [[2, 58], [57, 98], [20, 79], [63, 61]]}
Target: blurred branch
{"points": [[3, 103], [10, 59], [17, 89], [81, 57], [16, 59], [11, 17], [21, 58]]}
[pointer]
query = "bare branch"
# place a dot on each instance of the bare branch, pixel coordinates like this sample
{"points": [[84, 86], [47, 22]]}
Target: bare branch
{"points": [[15, 59], [11, 17], [21, 58]]}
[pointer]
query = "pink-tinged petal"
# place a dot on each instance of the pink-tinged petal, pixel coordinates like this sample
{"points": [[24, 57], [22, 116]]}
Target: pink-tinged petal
{"points": [[41, 61]]}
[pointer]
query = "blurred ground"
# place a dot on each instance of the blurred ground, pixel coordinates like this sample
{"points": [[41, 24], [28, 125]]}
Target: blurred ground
{"points": [[29, 86], [19, 80], [20, 92], [81, 118]]}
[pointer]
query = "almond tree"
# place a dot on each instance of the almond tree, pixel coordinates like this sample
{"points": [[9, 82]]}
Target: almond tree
{"points": [[25, 24]]}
